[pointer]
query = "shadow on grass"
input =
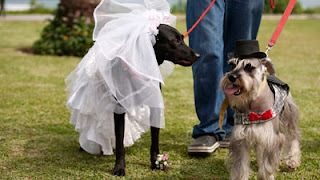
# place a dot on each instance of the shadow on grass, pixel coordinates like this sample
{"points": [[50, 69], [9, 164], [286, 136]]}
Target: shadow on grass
{"points": [[26, 50]]}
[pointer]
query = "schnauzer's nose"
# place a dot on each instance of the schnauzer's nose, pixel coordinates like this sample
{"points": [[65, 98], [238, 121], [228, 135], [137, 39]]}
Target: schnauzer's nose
{"points": [[232, 77]]}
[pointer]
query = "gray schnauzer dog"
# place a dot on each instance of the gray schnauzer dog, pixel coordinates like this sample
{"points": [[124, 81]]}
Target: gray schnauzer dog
{"points": [[266, 118]]}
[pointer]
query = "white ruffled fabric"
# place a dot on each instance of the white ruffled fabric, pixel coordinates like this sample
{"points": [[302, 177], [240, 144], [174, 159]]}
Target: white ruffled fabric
{"points": [[119, 74]]}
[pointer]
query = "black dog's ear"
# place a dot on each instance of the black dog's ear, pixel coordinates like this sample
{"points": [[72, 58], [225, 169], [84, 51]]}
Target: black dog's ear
{"points": [[269, 65]]}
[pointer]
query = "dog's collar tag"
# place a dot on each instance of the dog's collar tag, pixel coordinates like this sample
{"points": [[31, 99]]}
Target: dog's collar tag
{"points": [[263, 85], [223, 109]]}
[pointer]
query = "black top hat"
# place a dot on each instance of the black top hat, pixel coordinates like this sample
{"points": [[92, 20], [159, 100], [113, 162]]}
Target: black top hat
{"points": [[248, 49]]}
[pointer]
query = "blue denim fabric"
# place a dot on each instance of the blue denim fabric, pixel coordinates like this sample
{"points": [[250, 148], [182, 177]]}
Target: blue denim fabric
{"points": [[215, 36]]}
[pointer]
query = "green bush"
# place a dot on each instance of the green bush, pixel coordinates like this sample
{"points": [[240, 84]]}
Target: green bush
{"points": [[58, 38], [180, 7], [312, 10]]}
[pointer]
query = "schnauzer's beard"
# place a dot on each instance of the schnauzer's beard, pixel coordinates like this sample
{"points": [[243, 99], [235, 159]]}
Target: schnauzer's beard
{"points": [[250, 84]]}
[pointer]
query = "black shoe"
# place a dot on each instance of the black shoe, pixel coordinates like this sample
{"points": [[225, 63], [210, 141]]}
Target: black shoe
{"points": [[203, 145], [226, 142]]}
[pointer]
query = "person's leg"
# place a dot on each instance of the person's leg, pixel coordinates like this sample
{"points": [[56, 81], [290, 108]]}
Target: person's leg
{"points": [[207, 40], [242, 21]]}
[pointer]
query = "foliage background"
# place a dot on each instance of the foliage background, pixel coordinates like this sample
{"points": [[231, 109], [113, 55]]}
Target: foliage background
{"points": [[58, 38]]}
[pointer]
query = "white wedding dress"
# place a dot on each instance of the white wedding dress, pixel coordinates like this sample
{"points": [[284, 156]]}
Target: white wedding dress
{"points": [[119, 74]]}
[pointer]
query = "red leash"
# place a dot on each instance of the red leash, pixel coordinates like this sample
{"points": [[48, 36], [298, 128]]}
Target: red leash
{"points": [[276, 32], [281, 24], [272, 4], [204, 13]]}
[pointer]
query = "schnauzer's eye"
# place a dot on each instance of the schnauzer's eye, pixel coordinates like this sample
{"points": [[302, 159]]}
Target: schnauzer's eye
{"points": [[248, 67]]}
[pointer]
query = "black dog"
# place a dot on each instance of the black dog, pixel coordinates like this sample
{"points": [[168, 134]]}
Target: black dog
{"points": [[169, 46]]}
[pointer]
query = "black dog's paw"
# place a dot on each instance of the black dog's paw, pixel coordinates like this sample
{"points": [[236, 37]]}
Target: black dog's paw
{"points": [[154, 155], [118, 171], [154, 166]]}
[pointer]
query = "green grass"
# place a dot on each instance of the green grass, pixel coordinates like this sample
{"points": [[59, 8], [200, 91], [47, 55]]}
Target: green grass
{"points": [[37, 142]]}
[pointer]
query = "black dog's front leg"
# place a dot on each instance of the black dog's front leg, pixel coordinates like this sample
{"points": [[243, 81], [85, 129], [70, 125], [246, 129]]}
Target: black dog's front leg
{"points": [[154, 149], [154, 146], [120, 154]]}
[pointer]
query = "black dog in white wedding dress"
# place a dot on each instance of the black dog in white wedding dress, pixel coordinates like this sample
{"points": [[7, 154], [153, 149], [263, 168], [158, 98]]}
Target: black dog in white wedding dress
{"points": [[114, 93]]}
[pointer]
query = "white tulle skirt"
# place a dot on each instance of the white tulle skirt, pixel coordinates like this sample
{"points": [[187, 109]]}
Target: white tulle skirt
{"points": [[93, 100]]}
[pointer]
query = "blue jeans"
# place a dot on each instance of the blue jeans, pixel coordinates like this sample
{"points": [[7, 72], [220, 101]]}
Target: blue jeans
{"points": [[215, 36]]}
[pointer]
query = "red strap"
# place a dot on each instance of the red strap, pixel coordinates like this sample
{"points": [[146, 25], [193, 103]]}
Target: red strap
{"points": [[273, 4], [281, 23], [204, 13]]}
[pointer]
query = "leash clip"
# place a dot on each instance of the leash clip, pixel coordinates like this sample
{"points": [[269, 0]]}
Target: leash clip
{"points": [[268, 48]]}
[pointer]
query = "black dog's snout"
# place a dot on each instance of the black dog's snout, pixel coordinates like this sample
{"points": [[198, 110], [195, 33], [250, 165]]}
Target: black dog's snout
{"points": [[232, 77]]}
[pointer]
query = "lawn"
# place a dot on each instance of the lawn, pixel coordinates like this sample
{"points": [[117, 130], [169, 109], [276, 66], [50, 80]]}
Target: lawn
{"points": [[37, 142]]}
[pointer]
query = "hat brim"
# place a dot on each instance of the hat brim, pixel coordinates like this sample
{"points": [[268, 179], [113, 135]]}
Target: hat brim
{"points": [[259, 55]]}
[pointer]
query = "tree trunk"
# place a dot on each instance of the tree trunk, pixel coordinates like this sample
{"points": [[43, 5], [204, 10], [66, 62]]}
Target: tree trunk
{"points": [[74, 9], [2, 10]]}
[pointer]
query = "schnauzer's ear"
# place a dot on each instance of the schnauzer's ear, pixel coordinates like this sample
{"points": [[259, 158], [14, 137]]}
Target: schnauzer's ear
{"points": [[268, 64]]}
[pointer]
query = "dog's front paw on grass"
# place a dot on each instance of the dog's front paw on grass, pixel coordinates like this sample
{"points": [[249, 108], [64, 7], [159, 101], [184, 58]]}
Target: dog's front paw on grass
{"points": [[292, 163], [154, 166], [118, 171]]}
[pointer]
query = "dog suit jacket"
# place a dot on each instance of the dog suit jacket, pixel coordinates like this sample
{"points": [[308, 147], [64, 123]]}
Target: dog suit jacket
{"points": [[280, 90]]}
